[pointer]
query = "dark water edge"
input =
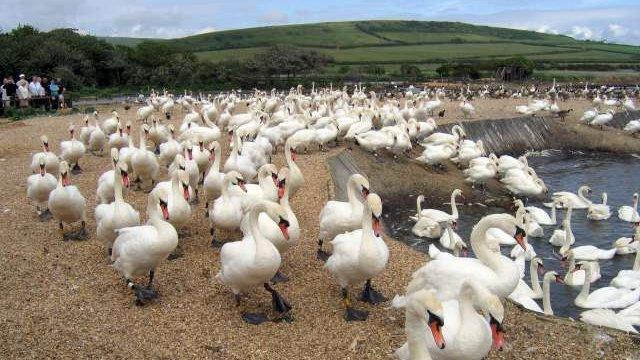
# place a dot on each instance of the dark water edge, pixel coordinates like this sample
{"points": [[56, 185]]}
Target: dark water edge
{"points": [[618, 175]]}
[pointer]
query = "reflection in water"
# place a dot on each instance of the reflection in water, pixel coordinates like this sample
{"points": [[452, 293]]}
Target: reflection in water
{"points": [[618, 175]]}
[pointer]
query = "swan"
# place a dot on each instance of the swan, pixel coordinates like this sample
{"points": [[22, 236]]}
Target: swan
{"points": [[170, 148], [426, 227], [240, 162], [72, 150], [212, 184], [139, 250], [358, 256], [586, 252], [86, 130], [532, 228], [373, 140], [560, 237], [630, 213], [608, 318], [117, 214], [467, 108], [105, 189], [607, 297], [296, 180], [470, 152], [506, 163], [97, 140], [467, 334], [628, 279], [628, 245], [189, 165], [599, 211], [109, 125], [439, 215], [254, 260], [144, 162], [579, 201], [176, 192], [497, 273], [423, 314], [437, 154], [602, 119], [67, 205], [546, 291], [51, 161], [337, 217], [272, 231], [266, 189], [535, 291], [119, 139], [481, 173], [449, 238], [39, 186], [576, 277], [201, 156], [226, 212], [457, 133], [541, 217]]}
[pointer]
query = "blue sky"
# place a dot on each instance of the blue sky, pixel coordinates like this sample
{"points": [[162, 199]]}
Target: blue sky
{"points": [[614, 20]]}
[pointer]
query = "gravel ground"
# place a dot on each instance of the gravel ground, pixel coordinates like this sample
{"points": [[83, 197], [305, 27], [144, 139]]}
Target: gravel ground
{"points": [[63, 300]]}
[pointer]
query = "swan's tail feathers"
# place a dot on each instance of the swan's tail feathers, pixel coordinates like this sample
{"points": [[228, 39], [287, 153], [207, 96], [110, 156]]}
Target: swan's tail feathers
{"points": [[434, 251], [398, 302]]}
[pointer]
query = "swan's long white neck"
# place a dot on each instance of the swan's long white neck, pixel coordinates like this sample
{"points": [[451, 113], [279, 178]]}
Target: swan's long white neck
{"points": [[568, 234], [367, 247], [533, 271], [216, 162], [584, 293], [478, 243], [553, 213], [351, 194], [636, 262], [260, 241], [582, 196], [117, 186], [416, 328], [546, 296], [418, 206], [454, 206]]}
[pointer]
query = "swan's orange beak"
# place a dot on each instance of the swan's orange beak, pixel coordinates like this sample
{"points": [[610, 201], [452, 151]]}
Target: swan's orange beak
{"points": [[65, 179], [284, 228], [497, 333], [42, 172], [281, 186], [165, 210], [520, 237], [212, 157], [185, 191], [294, 155], [46, 147], [435, 325], [377, 226], [125, 179], [559, 279]]}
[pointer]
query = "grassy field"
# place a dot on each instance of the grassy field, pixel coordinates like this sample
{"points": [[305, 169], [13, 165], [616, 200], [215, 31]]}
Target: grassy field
{"points": [[396, 42]]}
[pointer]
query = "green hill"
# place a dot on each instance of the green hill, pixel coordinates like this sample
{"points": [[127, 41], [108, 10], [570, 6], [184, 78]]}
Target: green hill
{"points": [[396, 42]]}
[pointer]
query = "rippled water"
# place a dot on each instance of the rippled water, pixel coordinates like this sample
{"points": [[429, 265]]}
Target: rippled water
{"points": [[618, 175]]}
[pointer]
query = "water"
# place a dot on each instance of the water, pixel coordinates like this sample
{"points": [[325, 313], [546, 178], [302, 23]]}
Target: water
{"points": [[618, 175]]}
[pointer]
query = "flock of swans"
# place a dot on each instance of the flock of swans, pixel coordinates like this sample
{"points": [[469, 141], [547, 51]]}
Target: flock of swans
{"points": [[458, 300]]}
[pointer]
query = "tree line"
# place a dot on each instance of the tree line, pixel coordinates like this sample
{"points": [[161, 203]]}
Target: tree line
{"points": [[86, 61]]}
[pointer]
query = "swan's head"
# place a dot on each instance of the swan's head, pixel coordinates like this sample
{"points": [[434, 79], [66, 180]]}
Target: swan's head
{"points": [[128, 125], [278, 214], [41, 164], [585, 189], [71, 129], [425, 303], [374, 203], [635, 196], [180, 162], [183, 177], [269, 170], [235, 178], [213, 147], [420, 198], [362, 184], [188, 148], [281, 181], [163, 202], [64, 173], [45, 143], [115, 156], [145, 128], [458, 192], [491, 305], [552, 275]]}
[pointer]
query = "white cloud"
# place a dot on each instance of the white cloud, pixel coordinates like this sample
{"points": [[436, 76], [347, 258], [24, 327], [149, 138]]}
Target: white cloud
{"points": [[618, 30], [582, 32], [547, 30], [205, 30]]}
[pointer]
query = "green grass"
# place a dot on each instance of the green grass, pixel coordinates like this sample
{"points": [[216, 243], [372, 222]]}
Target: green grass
{"points": [[230, 54], [587, 56], [412, 37]]}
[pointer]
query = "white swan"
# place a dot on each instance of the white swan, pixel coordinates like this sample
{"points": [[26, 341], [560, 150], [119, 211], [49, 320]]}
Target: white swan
{"points": [[559, 236], [546, 291], [423, 314], [39, 186], [337, 217], [296, 180], [139, 250], [532, 228], [467, 334], [607, 297], [254, 260], [523, 289], [144, 162], [51, 161], [586, 252], [116, 215], [630, 213], [439, 215], [608, 318], [358, 256], [449, 238], [599, 211], [457, 133], [212, 184], [176, 192], [226, 212], [170, 148], [497, 273], [579, 201], [628, 279], [97, 140], [105, 189], [67, 205], [72, 150], [576, 277], [437, 154], [541, 217]]}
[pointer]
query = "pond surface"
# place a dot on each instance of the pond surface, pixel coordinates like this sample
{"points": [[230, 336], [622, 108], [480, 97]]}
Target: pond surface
{"points": [[618, 175]]}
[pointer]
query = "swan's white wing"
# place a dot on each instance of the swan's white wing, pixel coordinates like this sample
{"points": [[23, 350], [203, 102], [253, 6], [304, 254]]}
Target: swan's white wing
{"points": [[608, 318]]}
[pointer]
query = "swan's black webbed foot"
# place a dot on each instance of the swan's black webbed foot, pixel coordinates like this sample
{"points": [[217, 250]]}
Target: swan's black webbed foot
{"points": [[279, 278], [45, 216], [279, 303], [371, 295], [78, 235], [321, 254], [351, 314], [254, 318], [144, 294]]}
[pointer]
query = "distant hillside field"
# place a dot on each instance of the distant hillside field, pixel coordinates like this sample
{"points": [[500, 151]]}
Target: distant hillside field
{"points": [[396, 42]]}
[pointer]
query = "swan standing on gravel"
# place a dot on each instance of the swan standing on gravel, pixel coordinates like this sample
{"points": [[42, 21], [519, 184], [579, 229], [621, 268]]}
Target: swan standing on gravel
{"points": [[296, 180], [212, 184], [599, 211], [97, 140], [72, 150], [423, 314], [51, 161], [139, 250], [176, 192], [337, 217], [457, 133], [105, 189], [496, 272], [226, 212], [170, 148], [39, 186], [630, 213], [144, 162], [606, 297], [254, 260], [359, 256], [117, 214], [67, 205]]}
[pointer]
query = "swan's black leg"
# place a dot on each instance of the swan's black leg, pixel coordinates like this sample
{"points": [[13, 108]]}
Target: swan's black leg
{"points": [[321, 254], [214, 240], [279, 304], [370, 295], [254, 318], [45, 215], [151, 274], [351, 314], [143, 294]]}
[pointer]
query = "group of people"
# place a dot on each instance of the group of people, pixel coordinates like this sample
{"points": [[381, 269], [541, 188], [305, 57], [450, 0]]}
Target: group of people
{"points": [[40, 92]]}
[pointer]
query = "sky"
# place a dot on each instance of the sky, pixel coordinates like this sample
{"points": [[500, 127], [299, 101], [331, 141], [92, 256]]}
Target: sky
{"points": [[613, 20]]}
